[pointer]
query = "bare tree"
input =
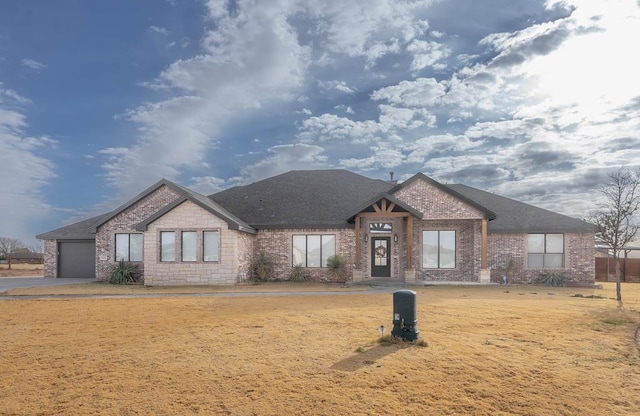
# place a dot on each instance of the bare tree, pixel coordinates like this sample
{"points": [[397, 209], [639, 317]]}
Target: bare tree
{"points": [[8, 245], [614, 219]]}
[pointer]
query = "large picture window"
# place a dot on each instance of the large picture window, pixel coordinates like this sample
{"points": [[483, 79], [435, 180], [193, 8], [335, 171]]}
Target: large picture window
{"points": [[167, 246], [189, 246], [128, 247], [545, 251], [313, 250], [439, 249], [211, 244]]}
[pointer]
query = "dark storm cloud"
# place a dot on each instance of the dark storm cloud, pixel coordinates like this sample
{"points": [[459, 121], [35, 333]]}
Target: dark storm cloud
{"points": [[623, 143], [476, 19], [586, 183], [540, 45], [547, 158], [475, 173], [483, 78]]}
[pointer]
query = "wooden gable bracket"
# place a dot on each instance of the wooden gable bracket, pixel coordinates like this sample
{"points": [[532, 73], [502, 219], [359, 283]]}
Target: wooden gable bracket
{"points": [[383, 208]]}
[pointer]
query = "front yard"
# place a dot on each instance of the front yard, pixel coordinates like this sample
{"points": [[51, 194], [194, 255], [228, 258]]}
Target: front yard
{"points": [[491, 350]]}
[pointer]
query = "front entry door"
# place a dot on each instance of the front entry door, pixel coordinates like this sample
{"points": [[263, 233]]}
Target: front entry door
{"points": [[380, 257]]}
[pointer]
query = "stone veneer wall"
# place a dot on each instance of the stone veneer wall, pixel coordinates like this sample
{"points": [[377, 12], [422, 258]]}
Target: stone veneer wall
{"points": [[579, 260], [278, 244], [191, 217], [50, 259], [125, 222]]}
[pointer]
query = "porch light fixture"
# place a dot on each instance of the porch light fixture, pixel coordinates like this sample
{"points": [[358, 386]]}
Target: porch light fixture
{"points": [[395, 238], [366, 238]]}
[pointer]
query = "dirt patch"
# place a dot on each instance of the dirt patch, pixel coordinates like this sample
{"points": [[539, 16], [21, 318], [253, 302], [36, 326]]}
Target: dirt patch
{"points": [[526, 351]]}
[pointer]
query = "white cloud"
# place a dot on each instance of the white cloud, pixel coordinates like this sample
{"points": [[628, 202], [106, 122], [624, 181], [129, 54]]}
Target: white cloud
{"points": [[423, 92], [283, 158], [426, 53], [26, 171], [251, 58], [369, 28], [340, 86], [158, 29], [33, 64], [206, 185], [383, 156]]}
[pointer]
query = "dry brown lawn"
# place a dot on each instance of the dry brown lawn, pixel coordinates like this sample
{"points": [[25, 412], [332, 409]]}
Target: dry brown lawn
{"points": [[518, 350]]}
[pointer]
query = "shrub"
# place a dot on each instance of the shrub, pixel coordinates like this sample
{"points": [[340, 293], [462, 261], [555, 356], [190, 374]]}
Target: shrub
{"points": [[262, 267], [297, 274], [335, 264], [551, 278], [123, 273]]}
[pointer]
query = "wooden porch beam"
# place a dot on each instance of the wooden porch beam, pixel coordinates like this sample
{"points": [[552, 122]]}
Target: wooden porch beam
{"points": [[385, 214]]}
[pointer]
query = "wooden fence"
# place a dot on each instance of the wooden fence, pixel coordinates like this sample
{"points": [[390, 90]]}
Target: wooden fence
{"points": [[606, 270]]}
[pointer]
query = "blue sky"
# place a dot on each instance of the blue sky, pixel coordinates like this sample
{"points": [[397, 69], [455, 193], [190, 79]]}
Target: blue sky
{"points": [[533, 100]]}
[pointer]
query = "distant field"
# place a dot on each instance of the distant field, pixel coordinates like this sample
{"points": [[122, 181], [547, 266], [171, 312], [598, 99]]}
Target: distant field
{"points": [[21, 270], [516, 350]]}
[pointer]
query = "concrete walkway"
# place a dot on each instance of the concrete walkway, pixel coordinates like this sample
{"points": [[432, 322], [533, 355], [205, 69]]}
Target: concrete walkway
{"points": [[375, 287], [24, 282]]}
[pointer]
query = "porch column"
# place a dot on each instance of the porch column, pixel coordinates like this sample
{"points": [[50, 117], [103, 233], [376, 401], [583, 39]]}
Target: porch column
{"points": [[409, 240], [357, 271], [485, 273], [358, 241], [483, 261], [409, 272]]}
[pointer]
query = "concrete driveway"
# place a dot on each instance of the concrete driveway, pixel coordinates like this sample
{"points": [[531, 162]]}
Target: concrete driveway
{"points": [[22, 282]]}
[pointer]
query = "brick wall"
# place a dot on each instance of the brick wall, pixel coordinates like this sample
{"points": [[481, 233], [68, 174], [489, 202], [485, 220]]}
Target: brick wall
{"points": [[443, 211], [233, 250], [468, 250], [578, 260], [125, 222], [435, 203], [278, 245], [245, 255]]}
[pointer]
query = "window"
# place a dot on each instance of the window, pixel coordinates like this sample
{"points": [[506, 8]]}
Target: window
{"points": [[439, 249], [189, 245], [380, 227], [129, 247], [167, 246], [211, 242], [545, 250], [313, 250]]}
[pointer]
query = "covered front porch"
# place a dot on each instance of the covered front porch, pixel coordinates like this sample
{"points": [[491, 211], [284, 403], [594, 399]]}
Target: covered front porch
{"points": [[388, 245]]}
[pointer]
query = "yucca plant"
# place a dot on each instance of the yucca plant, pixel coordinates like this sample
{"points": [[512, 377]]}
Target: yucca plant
{"points": [[123, 273], [336, 264], [262, 267], [297, 274], [551, 278]]}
